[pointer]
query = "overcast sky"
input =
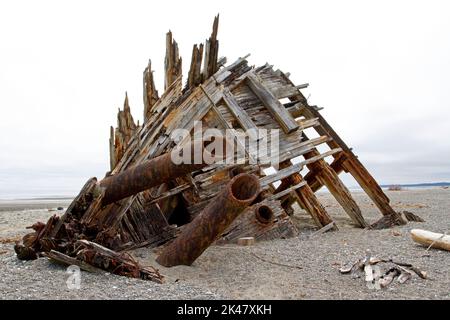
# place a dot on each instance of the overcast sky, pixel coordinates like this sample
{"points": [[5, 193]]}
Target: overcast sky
{"points": [[381, 70]]}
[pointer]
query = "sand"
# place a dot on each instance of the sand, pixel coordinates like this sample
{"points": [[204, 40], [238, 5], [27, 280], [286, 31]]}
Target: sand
{"points": [[309, 266]]}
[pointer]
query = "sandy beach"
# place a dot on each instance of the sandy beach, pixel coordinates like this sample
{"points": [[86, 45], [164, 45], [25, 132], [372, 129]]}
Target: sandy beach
{"points": [[296, 268]]}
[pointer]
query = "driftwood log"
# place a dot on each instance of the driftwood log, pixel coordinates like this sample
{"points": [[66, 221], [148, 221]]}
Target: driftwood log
{"points": [[431, 239]]}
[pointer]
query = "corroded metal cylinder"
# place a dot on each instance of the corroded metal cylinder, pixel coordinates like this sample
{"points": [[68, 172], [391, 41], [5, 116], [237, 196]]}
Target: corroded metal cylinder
{"points": [[158, 170], [199, 234], [264, 214]]}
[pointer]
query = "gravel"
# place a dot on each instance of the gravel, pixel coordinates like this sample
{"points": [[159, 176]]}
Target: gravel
{"points": [[233, 272]]}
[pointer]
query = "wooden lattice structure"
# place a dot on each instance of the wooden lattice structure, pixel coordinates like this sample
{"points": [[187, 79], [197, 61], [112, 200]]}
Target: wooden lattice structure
{"points": [[234, 96]]}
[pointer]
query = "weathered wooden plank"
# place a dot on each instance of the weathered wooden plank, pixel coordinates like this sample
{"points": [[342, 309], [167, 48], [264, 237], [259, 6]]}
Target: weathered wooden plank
{"points": [[283, 117], [241, 116], [170, 193], [286, 191], [306, 197], [281, 174], [66, 260]]}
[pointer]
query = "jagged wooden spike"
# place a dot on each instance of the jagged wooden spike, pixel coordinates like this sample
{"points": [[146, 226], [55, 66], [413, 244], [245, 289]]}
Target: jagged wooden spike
{"points": [[211, 51], [172, 62], [150, 92], [126, 127], [112, 149], [195, 75]]}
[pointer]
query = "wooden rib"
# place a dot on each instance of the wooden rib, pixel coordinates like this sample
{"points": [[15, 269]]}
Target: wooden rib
{"points": [[306, 197], [331, 180], [354, 166], [295, 168], [278, 111], [286, 191], [351, 165]]}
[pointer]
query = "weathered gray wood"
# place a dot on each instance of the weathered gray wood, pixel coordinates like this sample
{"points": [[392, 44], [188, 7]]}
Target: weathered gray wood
{"points": [[211, 51], [150, 94], [241, 116], [171, 192], [330, 226], [279, 112], [195, 76], [281, 174], [66, 260], [172, 62], [287, 191]]}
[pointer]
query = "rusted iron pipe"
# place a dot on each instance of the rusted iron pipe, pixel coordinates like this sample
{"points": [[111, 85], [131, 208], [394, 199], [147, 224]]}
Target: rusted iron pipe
{"points": [[199, 234], [264, 214], [155, 172]]}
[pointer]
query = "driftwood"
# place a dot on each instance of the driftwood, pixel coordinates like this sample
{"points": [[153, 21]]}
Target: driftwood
{"points": [[389, 269], [431, 239], [397, 219]]}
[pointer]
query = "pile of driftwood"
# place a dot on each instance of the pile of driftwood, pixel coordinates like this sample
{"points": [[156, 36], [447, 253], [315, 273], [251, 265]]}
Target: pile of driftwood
{"points": [[147, 200], [379, 273]]}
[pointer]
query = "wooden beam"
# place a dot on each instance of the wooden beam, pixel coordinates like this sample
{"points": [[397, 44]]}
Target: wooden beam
{"points": [[239, 113], [278, 111], [336, 165], [331, 180], [368, 184], [308, 199], [286, 191], [352, 165], [286, 171], [211, 51]]}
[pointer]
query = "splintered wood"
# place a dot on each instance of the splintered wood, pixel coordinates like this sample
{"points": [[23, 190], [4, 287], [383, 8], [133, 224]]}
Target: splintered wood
{"points": [[146, 200]]}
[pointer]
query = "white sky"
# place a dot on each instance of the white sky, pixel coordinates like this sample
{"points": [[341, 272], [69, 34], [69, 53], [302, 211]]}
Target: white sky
{"points": [[381, 69]]}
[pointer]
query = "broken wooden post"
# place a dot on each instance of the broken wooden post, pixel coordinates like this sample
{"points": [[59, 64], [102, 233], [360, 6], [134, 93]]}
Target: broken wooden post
{"points": [[172, 62], [307, 199], [211, 51], [431, 239], [326, 176], [240, 192], [157, 171], [123, 133], [150, 92], [195, 74]]}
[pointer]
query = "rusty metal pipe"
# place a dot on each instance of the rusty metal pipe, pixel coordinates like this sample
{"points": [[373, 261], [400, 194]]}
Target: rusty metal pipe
{"points": [[198, 235], [264, 214], [156, 171]]}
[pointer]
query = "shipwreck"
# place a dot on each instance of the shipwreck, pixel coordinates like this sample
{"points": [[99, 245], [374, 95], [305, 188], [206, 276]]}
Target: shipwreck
{"points": [[146, 200]]}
